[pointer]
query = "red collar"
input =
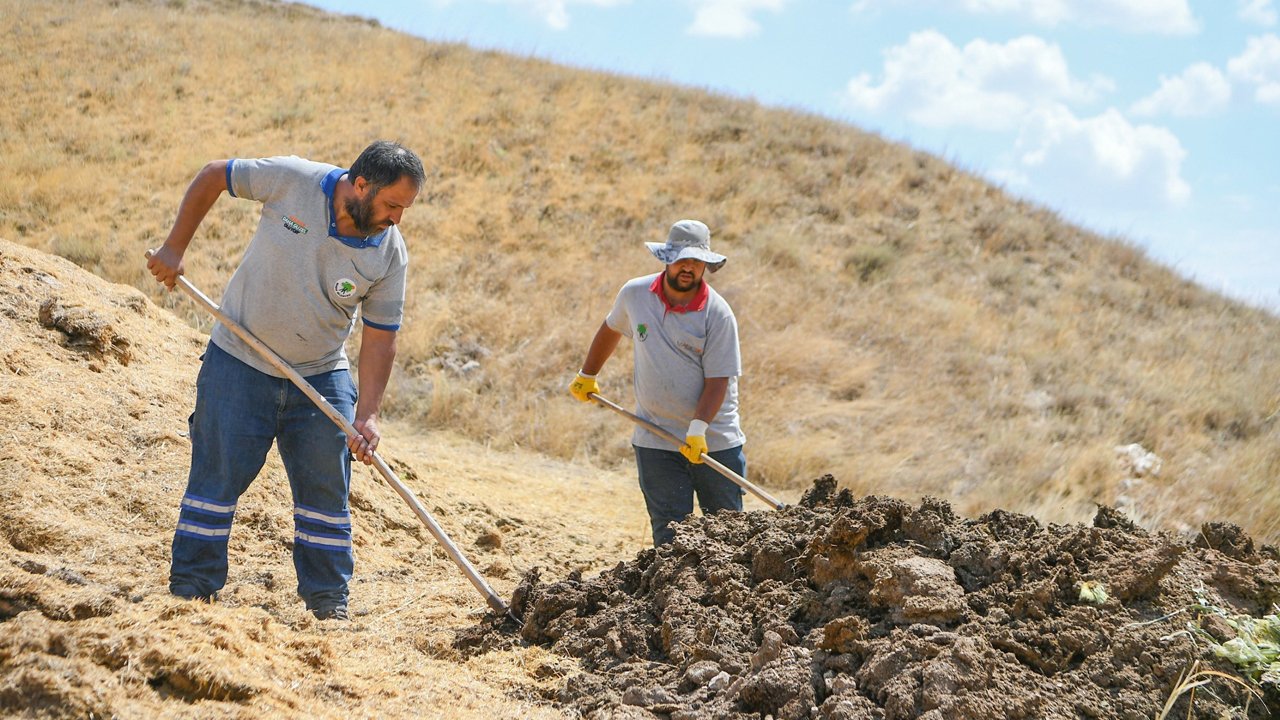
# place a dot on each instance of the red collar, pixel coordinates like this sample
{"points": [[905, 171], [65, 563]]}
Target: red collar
{"points": [[698, 303]]}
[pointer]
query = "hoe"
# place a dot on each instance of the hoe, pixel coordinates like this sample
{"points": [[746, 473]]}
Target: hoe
{"points": [[437, 532], [740, 481]]}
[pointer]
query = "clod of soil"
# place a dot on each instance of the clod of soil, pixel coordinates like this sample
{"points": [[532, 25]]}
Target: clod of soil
{"points": [[844, 609]]}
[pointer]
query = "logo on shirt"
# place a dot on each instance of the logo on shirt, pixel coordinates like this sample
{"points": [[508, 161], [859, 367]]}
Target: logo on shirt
{"points": [[642, 332], [294, 225], [344, 288]]}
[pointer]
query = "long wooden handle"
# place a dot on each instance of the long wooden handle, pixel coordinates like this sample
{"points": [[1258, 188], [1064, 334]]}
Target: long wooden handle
{"points": [[267, 353], [719, 467]]}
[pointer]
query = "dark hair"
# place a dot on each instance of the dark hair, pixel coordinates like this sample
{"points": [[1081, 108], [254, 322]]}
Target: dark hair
{"points": [[384, 162]]}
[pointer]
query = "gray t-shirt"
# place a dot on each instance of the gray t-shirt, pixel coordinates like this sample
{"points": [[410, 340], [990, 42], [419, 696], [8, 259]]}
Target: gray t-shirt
{"points": [[674, 353], [299, 285]]}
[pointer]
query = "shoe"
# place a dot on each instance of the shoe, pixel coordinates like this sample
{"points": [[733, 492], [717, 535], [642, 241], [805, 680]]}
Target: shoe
{"points": [[186, 593], [333, 612]]}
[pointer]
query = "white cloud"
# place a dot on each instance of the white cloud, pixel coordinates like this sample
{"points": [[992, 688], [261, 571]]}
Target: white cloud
{"points": [[1258, 11], [730, 18], [983, 85], [1259, 66], [1201, 89], [555, 13], [1102, 161], [1168, 17]]}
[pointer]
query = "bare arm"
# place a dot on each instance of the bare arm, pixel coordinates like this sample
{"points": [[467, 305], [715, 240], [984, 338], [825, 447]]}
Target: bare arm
{"points": [[166, 262], [602, 347], [714, 391], [377, 355]]}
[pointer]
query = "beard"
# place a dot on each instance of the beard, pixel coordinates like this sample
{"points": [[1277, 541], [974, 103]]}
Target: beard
{"points": [[361, 212], [681, 281]]}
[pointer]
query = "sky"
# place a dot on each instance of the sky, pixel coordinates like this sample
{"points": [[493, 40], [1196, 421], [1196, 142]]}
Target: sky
{"points": [[1152, 121]]}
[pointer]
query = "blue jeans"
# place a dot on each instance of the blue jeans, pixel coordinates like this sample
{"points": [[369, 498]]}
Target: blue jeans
{"points": [[669, 482], [239, 413]]}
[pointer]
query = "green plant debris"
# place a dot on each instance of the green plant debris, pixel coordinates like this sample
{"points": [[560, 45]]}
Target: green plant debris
{"points": [[1093, 592], [1255, 649]]}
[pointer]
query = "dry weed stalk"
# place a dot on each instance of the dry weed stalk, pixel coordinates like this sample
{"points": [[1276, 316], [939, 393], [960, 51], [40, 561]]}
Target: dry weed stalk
{"points": [[1195, 677]]}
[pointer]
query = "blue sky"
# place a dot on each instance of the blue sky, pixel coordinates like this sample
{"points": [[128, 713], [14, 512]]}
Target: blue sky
{"points": [[1157, 121]]}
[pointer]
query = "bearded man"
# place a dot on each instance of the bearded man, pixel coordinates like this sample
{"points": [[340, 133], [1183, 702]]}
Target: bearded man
{"points": [[326, 248], [687, 363]]}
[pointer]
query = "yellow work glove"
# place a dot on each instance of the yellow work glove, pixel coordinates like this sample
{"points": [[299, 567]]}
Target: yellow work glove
{"points": [[582, 387], [695, 442]]}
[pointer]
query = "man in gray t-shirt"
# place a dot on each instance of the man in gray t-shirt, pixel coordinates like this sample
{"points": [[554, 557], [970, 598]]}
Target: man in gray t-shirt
{"points": [[326, 248], [687, 364]]}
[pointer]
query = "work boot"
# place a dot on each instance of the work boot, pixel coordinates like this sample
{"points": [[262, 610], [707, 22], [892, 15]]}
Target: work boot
{"points": [[332, 612]]}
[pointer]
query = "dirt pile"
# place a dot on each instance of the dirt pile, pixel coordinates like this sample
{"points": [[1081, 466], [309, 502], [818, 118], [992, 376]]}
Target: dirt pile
{"points": [[846, 609]]}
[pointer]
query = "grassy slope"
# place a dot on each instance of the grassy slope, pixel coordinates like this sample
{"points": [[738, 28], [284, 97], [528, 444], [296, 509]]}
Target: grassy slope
{"points": [[905, 326]]}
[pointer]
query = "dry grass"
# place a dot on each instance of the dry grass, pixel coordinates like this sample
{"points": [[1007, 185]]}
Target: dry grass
{"points": [[905, 326], [1196, 677]]}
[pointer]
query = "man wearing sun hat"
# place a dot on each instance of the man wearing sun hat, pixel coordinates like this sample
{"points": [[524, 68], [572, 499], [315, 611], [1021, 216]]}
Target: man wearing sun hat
{"points": [[687, 364]]}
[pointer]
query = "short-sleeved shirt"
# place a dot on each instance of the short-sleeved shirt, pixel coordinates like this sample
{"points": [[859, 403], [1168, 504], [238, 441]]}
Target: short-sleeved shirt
{"points": [[674, 354], [300, 284]]}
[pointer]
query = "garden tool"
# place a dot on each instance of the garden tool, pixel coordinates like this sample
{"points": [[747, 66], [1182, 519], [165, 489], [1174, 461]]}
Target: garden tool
{"points": [[706, 458], [437, 532]]}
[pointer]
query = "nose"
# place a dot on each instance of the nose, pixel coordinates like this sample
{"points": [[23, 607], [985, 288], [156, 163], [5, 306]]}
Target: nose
{"points": [[396, 215]]}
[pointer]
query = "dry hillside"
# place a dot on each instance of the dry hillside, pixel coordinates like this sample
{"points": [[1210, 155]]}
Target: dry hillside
{"points": [[906, 326]]}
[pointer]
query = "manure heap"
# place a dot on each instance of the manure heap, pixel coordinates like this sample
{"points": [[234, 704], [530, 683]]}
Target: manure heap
{"points": [[871, 608]]}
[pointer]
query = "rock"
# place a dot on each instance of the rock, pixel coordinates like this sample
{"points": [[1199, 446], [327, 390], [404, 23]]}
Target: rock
{"points": [[701, 672], [719, 682], [769, 650], [1138, 461], [648, 696], [920, 589]]}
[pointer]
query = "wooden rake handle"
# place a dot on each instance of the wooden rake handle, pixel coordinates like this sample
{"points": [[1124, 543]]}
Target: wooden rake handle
{"points": [[269, 355], [706, 458]]}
